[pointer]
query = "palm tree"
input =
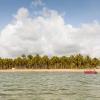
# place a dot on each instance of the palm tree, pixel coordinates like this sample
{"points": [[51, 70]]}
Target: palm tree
{"points": [[30, 57], [18, 62], [64, 63], [87, 61], [94, 62], [71, 62], [37, 60], [78, 61], [45, 62], [54, 62]]}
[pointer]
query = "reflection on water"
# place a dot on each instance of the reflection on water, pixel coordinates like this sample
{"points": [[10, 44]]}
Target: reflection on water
{"points": [[49, 86]]}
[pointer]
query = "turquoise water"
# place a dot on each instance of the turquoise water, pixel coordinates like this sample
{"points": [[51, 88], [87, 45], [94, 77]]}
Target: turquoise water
{"points": [[49, 86]]}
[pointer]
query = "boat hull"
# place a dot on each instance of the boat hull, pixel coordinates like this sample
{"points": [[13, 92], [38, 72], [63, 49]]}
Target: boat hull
{"points": [[90, 72]]}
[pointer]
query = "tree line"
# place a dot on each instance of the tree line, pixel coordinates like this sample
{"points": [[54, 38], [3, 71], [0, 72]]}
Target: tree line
{"points": [[44, 62]]}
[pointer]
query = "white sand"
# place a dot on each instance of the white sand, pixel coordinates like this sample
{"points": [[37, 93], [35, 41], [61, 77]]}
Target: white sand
{"points": [[47, 70]]}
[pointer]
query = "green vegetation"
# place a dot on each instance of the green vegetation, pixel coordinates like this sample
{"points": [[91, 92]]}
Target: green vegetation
{"points": [[44, 62]]}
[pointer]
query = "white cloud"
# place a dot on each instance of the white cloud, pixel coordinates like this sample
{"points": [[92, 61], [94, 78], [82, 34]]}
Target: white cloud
{"points": [[37, 3], [48, 34], [22, 14]]}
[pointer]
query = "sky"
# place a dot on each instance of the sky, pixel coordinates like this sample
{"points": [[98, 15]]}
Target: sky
{"points": [[49, 27]]}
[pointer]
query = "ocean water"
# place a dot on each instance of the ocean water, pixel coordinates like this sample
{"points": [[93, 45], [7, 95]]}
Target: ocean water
{"points": [[49, 86]]}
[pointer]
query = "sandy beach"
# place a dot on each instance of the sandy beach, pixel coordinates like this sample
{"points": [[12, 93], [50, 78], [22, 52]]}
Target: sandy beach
{"points": [[47, 70]]}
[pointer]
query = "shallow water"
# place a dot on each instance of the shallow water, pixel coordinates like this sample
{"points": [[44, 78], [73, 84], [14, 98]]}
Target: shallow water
{"points": [[49, 86]]}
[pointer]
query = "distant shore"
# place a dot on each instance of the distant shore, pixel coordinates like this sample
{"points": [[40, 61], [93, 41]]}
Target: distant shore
{"points": [[47, 70]]}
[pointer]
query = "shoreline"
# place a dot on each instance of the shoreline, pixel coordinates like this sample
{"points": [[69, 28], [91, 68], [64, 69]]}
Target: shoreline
{"points": [[46, 70]]}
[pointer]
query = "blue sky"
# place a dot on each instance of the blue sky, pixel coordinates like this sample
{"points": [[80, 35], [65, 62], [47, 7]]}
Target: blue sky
{"points": [[76, 11], [49, 27]]}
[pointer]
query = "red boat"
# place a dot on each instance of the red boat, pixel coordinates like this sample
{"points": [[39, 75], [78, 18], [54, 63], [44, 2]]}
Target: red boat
{"points": [[90, 72]]}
